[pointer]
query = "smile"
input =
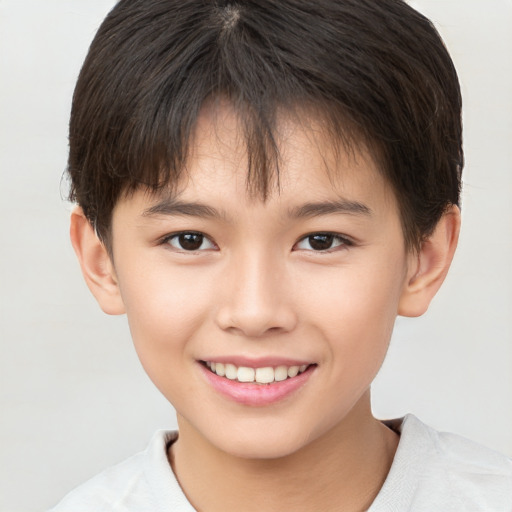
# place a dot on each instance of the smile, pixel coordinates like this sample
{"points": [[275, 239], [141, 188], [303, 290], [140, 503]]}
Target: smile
{"points": [[264, 375]]}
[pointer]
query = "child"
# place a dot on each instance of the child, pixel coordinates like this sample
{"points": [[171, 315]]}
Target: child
{"points": [[262, 187]]}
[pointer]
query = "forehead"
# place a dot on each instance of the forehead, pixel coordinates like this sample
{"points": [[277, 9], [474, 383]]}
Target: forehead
{"points": [[311, 166], [309, 159]]}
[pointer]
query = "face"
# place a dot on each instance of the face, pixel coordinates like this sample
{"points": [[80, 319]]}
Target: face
{"points": [[263, 323]]}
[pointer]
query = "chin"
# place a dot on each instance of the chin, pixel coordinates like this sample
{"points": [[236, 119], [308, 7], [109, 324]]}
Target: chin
{"points": [[267, 449], [260, 443]]}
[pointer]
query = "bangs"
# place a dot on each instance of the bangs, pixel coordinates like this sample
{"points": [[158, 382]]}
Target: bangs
{"points": [[374, 72], [149, 113]]}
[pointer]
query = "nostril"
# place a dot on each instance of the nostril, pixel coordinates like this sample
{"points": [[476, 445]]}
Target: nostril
{"points": [[256, 322]]}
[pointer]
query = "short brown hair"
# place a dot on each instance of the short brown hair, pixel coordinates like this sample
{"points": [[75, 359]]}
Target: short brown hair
{"points": [[377, 70]]}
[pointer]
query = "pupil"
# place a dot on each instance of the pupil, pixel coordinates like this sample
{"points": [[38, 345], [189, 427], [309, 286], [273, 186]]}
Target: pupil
{"points": [[321, 242], [191, 241]]}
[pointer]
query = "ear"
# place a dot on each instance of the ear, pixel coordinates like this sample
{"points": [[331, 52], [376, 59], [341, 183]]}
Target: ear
{"points": [[96, 264], [428, 268]]}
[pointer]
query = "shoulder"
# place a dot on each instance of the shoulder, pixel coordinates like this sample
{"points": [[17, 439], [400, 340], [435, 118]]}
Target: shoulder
{"points": [[145, 481], [441, 471], [451, 451], [103, 491]]}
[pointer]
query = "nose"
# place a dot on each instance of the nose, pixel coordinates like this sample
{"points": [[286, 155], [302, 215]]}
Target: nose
{"points": [[256, 299]]}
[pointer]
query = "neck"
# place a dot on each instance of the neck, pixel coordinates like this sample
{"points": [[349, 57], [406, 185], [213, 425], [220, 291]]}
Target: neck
{"points": [[346, 467]]}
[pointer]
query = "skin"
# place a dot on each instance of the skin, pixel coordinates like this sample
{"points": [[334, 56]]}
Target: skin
{"points": [[257, 288]]}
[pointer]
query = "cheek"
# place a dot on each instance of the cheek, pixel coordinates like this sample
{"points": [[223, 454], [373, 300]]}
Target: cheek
{"points": [[165, 308], [370, 292], [356, 311]]}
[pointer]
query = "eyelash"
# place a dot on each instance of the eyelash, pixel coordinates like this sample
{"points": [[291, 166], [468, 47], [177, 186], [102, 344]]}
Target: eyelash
{"points": [[167, 240], [340, 240]]}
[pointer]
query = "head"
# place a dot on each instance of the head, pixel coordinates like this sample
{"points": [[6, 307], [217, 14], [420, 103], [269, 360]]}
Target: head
{"points": [[265, 172], [377, 73]]}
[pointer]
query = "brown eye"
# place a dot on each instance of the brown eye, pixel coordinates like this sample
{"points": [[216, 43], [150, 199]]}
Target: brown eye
{"points": [[323, 242], [190, 241], [320, 242]]}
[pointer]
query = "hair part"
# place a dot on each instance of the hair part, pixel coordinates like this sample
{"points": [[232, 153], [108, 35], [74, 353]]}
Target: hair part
{"points": [[377, 71]]}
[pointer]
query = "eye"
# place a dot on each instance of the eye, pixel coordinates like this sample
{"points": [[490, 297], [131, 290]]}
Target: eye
{"points": [[322, 242], [189, 241]]}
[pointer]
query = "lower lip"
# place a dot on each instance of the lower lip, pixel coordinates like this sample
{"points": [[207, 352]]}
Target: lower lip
{"points": [[257, 394]]}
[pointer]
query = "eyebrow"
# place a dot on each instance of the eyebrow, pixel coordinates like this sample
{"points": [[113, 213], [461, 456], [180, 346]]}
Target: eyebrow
{"points": [[171, 207], [330, 207]]}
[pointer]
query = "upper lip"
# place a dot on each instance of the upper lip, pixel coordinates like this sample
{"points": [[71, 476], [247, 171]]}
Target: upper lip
{"points": [[259, 362]]}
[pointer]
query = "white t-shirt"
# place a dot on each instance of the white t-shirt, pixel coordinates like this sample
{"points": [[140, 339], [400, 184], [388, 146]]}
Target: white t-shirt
{"points": [[431, 472]]}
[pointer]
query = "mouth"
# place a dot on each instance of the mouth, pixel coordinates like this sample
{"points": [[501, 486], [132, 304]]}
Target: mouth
{"points": [[262, 376]]}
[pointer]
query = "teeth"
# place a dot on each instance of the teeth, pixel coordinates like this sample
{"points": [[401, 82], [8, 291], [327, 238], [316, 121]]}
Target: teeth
{"points": [[231, 371], [220, 369], [293, 371], [281, 373], [245, 374], [265, 375]]}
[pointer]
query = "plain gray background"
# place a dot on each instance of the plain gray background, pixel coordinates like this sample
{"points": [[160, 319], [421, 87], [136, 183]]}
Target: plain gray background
{"points": [[73, 396]]}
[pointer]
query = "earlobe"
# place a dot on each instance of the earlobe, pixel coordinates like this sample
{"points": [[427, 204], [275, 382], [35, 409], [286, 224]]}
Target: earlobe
{"points": [[96, 264], [430, 265]]}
